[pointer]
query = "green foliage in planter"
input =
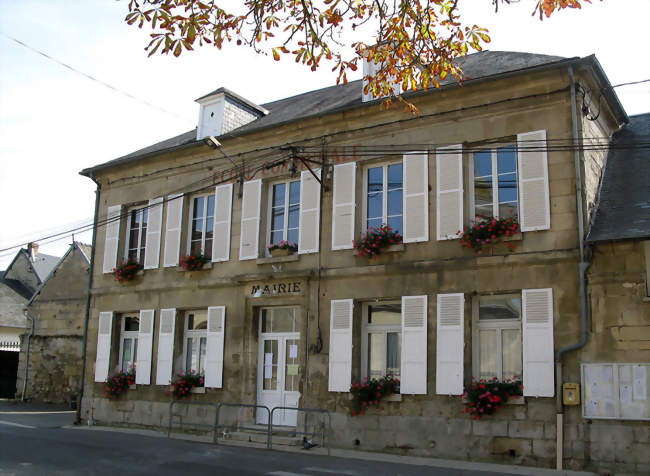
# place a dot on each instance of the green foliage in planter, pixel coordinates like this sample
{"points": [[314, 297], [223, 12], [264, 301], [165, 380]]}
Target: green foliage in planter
{"points": [[485, 397], [182, 385], [118, 383], [375, 240], [194, 261], [371, 391], [486, 230], [126, 271]]}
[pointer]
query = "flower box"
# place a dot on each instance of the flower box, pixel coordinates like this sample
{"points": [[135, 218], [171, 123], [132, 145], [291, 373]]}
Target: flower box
{"points": [[277, 252], [377, 241], [198, 390], [126, 272], [194, 262], [489, 230], [282, 248]]}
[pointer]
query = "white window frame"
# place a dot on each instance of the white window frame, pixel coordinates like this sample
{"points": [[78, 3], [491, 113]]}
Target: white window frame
{"points": [[384, 165], [194, 334], [191, 223], [269, 209], [141, 232], [384, 329], [499, 325], [646, 247], [124, 334], [495, 183]]}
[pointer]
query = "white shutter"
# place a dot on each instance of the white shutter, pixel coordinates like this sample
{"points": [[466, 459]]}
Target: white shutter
{"points": [[250, 220], [222, 222], [414, 345], [537, 342], [154, 227], [449, 344], [145, 344], [113, 218], [343, 206], [534, 203], [416, 197], [164, 366], [105, 327], [449, 191], [173, 230], [214, 350], [340, 357], [309, 212]]}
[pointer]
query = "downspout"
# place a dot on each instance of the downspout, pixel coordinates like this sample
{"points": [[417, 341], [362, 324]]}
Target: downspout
{"points": [[29, 342], [582, 270], [91, 269]]}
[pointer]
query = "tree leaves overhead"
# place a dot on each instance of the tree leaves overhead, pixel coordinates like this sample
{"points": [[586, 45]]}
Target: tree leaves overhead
{"points": [[415, 41]]}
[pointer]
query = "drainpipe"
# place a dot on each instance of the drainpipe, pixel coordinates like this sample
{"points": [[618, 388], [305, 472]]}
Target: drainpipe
{"points": [[582, 270], [91, 269], [29, 342]]}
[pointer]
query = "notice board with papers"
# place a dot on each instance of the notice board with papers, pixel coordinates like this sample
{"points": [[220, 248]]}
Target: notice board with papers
{"points": [[615, 391]]}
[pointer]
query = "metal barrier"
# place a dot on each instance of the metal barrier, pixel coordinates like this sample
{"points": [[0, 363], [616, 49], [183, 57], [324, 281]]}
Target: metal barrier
{"points": [[304, 433], [184, 402], [242, 405]]}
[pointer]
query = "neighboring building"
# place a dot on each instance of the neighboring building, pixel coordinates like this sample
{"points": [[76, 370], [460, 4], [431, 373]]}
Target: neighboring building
{"points": [[55, 347], [18, 283], [298, 330]]}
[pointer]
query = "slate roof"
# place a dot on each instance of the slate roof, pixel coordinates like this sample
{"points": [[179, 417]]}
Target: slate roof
{"points": [[477, 66], [624, 200], [13, 296]]}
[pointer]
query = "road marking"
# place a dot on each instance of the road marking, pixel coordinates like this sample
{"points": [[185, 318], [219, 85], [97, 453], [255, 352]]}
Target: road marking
{"points": [[326, 470], [9, 423], [36, 413]]}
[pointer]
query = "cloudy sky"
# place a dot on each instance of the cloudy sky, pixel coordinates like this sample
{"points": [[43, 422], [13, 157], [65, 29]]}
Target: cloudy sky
{"points": [[55, 122]]}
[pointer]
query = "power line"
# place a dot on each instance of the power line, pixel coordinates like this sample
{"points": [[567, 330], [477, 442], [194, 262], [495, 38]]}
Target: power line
{"points": [[92, 78]]}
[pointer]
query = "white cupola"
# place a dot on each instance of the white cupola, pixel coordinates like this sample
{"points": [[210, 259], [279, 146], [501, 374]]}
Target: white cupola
{"points": [[222, 111]]}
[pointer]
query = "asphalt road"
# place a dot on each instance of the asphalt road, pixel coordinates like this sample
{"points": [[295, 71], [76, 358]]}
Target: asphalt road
{"points": [[35, 442]]}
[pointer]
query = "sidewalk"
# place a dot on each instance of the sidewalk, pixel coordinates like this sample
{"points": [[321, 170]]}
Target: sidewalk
{"points": [[355, 454]]}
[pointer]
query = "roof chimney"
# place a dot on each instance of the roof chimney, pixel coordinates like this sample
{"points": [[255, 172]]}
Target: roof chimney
{"points": [[370, 68], [221, 111], [32, 250]]}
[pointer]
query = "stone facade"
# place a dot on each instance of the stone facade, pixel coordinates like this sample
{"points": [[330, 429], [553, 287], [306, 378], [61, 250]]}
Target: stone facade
{"points": [[58, 309], [425, 425]]}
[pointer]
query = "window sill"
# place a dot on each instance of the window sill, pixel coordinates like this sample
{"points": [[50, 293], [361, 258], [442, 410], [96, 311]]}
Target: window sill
{"points": [[198, 390], [133, 387], [646, 299], [394, 248], [206, 266], [279, 259], [516, 237], [397, 397]]}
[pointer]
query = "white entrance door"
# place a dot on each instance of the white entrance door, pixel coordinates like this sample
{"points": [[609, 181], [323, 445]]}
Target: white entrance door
{"points": [[278, 374]]}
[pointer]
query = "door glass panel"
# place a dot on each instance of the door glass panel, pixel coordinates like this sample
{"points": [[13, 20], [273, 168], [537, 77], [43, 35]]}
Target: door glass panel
{"points": [[270, 364], [511, 344], [499, 307], [385, 314], [292, 367], [488, 354], [131, 323], [190, 359], [280, 319]]}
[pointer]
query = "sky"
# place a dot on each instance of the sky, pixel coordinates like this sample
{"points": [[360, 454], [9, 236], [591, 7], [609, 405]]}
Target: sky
{"points": [[54, 122]]}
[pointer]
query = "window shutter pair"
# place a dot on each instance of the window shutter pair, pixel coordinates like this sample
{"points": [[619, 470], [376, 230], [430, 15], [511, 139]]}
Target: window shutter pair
{"points": [[145, 340], [532, 175], [112, 237], [414, 345], [415, 201], [537, 343], [308, 233]]}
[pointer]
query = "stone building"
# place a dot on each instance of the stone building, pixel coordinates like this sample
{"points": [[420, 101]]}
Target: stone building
{"points": [[18, 282], [318, 170], [51, 361]]}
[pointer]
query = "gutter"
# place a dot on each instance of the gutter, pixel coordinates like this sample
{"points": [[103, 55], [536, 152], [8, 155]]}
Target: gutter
{"points": [[91, 269], [582, 270], [29, 342]]}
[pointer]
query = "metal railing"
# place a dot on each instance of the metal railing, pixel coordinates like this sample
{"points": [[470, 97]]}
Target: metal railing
{"points": [[269, 426], [305, 433], [238, 427]]}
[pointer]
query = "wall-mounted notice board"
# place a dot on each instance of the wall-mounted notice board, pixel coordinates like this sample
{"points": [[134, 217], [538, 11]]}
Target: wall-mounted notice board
{"points": [[616, 391]]}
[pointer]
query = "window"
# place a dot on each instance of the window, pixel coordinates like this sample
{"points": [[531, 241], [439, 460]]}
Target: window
{"points": [[494, 182], [497, 336], [129, 327], [284, 211], [136, 234], [201, 225], [381, 339], [195, 341], [383, 203]]}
